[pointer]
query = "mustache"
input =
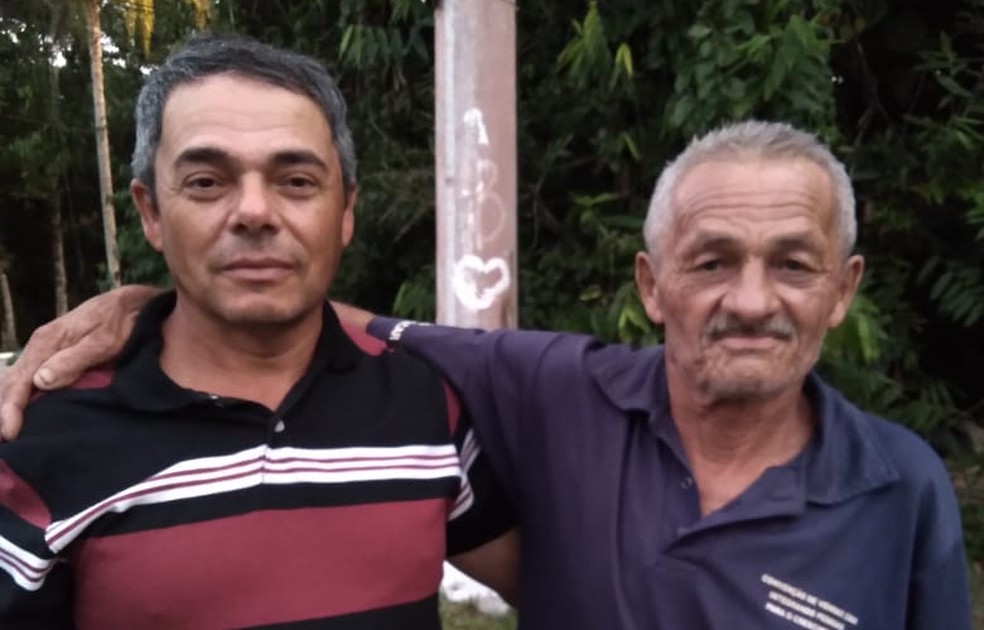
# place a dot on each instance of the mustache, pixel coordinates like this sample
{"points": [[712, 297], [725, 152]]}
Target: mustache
{"points": [[727, 324]]}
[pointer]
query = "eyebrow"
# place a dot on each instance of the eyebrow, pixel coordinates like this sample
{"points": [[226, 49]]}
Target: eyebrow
{"points": [[221, 158], [709, 240], [299, 157], [722, 242], [803, 240], [204, 155]]}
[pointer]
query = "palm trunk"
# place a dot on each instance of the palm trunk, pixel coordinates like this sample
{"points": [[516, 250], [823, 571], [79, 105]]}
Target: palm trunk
{"points": [[59, 277], [94, 28], [58, 255], [8, 332]]}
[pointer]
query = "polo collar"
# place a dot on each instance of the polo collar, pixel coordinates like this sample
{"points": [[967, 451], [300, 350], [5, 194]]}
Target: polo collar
{"points": [[843, 460], [141, 383]]}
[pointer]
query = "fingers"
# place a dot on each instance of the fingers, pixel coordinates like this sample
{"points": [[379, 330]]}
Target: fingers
{"points": [[59, 352], [16, 381], [15, 390], [90, 335], [66, 366]]}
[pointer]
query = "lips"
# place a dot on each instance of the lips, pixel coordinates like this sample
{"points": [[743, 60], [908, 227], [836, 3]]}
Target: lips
{"points": [[257, 269]]}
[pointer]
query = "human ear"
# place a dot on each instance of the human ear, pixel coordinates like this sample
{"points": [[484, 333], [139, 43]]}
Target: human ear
{"points": [[645, 278], [850, 279], [143, 199], [348, 216]]}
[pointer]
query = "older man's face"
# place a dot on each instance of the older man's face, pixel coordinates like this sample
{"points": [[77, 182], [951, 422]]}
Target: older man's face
{"points": [[750, 276]]}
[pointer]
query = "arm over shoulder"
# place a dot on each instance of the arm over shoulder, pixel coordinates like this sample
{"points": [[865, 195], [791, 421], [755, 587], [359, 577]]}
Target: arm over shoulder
{"points": [[505, 378]]}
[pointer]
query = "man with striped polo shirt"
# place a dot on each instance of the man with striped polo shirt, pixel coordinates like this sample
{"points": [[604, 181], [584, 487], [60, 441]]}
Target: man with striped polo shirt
{"points": [[247, 461]]}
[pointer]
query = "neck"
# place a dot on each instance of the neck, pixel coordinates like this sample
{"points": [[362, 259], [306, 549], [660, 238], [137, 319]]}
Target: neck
{"points": [[256, 363], [730, 442]]}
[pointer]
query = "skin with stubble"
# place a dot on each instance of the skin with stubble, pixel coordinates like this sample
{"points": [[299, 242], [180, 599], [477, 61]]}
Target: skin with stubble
{"points": [[251, 214], [747, 280]]}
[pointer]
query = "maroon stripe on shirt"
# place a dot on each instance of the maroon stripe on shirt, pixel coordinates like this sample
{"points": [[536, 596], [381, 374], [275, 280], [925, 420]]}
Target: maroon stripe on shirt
{"points": [[247, 468], [365, 342], [265, 567], [21, 499], [96, 378]]}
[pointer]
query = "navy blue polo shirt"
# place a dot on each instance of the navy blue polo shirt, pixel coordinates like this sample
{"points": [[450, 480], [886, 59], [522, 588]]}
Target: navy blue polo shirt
{"points": [[861, 530]]}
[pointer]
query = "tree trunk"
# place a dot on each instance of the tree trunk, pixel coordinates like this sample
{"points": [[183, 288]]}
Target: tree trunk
{"points": [[8, 332], [59, 277], [94, 29], [58, 254]]}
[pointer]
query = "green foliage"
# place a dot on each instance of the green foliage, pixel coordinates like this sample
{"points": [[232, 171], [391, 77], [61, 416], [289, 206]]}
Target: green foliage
{"points": [[770, 59]]}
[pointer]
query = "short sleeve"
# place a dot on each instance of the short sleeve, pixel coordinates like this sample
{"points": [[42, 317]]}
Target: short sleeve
{"points": [[481, 512], [35, 587]]}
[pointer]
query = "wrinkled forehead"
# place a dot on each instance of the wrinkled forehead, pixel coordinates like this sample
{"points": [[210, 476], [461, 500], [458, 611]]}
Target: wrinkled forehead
{"points": [[237, 114], [750, 185]]}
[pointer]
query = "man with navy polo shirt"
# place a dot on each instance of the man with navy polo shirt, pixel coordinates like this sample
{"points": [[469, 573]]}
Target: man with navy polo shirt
{"points": [[714, 481]]}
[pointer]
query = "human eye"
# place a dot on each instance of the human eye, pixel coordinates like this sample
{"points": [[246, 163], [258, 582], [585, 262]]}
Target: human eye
{"points": [[203, 186], [203, 182], [795, 268], [707, 264], [299, 184]]}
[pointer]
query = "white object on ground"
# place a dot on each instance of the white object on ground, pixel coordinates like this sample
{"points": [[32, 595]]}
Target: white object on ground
{"points": [[458, 587]]}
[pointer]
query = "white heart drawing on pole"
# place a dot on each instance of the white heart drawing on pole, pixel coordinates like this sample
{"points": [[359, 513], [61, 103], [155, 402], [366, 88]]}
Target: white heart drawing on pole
{"points": [[471, 269]]}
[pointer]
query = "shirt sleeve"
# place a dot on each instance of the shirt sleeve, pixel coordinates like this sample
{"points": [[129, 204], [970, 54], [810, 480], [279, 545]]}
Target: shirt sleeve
{"points": [[482, 512], [35, 585], [939, 591]]}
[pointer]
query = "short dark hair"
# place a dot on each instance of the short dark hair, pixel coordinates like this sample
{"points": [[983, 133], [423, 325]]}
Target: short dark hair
{"points": [[214, 53]]}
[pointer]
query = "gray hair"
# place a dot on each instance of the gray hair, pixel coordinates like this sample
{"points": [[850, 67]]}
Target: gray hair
{"points": [[748, 140], [211, 54]]}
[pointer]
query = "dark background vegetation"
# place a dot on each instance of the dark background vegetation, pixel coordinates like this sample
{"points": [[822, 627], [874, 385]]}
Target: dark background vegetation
{"points": [[608, 91]]}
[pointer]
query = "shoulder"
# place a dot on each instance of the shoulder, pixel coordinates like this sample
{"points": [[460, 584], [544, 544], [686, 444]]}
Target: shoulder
{"points": [[387, 361], [93, 387], [922, 484], [914, 459], [881, 443]]}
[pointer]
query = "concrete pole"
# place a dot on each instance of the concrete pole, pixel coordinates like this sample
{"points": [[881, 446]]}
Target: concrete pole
{"points": [[475, 94]]}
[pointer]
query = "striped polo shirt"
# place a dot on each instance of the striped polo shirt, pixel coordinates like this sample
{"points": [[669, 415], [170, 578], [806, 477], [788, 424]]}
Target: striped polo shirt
{"points": [[130, 502]]}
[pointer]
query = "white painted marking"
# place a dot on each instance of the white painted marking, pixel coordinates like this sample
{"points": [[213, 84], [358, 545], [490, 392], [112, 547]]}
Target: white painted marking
{"points": [[466, 276], [476, 120]]}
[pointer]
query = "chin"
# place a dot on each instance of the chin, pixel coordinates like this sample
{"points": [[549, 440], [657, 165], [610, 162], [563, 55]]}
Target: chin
{"points": [[742, 388], [263, 316]]}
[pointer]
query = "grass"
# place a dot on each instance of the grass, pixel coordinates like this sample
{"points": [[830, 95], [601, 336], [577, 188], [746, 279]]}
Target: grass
{"points": [[464, 616]]}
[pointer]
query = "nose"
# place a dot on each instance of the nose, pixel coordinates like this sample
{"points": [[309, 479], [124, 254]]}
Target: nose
{"points": [[751, 295], [255, 209]]}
